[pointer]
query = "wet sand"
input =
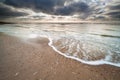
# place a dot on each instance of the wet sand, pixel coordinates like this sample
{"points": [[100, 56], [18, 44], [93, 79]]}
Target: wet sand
{"points": [[35, 60]]}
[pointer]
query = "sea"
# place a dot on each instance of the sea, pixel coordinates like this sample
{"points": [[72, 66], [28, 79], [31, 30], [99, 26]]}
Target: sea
{"points": [[93, 44]]}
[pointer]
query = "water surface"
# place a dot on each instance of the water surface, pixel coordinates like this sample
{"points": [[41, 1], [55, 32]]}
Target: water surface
{"points": [[92, 44]]}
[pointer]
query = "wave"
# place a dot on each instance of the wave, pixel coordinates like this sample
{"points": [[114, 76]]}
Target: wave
{"points": [[115, 30], [78, 43], [105, 35], [110, 36], [87, 53]]}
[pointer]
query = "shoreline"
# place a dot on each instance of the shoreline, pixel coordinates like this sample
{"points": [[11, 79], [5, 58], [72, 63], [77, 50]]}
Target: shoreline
{"points": [[38, 61], [92, 63], [59, 22]]}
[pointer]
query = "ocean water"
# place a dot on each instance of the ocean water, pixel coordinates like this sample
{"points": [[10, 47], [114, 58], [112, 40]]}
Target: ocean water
{"points": [[92, 44]]}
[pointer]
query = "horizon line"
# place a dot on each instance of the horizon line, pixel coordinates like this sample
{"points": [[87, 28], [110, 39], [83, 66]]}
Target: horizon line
{"points": [[59, 22]]}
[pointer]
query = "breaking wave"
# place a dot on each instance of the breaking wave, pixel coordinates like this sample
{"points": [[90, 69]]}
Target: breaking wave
{"points": [[89, 45], [85, 52]]}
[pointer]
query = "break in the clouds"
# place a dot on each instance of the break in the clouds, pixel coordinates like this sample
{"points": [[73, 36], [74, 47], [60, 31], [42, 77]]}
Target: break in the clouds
{"points": [[84, 9]]}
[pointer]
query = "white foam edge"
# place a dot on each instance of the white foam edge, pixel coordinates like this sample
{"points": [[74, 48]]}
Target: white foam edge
{"points": [[97, 62]]}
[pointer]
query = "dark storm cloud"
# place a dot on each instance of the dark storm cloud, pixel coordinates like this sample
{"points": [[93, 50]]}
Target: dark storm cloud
{"points": [[115, 7], [75, 7], [98, 9], [114, 15], [37, 5], [49, 5], [114, 11], [2, 0], [7, 12]]}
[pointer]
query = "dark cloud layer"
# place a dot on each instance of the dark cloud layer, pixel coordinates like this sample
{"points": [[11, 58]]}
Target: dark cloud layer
{"points": [[114, 11], [6, 12], [73, 8], [37, 5], [83, 8], [48, 6], [114, 15], [115, 7]]}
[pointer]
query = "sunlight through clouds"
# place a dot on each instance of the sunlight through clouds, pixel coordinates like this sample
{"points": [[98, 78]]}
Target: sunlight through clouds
{"points": [[61, 9]]}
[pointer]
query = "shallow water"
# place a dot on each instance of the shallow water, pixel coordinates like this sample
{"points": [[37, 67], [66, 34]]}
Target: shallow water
{"points": [[92, 44]]}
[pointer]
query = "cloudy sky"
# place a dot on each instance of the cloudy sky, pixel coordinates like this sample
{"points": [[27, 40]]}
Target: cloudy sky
{"points": [[60, 9]]}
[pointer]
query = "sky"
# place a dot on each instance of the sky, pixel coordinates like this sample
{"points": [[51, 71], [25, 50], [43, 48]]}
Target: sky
{"points": [[60, 9]]}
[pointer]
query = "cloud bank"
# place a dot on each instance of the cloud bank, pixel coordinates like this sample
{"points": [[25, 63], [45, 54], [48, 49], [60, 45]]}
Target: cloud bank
{"points": [[8, 11], [84, 9]]}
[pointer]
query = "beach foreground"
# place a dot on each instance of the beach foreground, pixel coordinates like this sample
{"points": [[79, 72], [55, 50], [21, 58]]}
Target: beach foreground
{"points": [[35, 60]]}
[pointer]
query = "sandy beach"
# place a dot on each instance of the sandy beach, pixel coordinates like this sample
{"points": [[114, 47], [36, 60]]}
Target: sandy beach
{"points": [[35, 60]]}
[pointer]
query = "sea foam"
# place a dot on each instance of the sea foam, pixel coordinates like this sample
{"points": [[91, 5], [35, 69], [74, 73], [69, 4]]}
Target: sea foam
{"points": [[84, 44], [107, 59]]}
